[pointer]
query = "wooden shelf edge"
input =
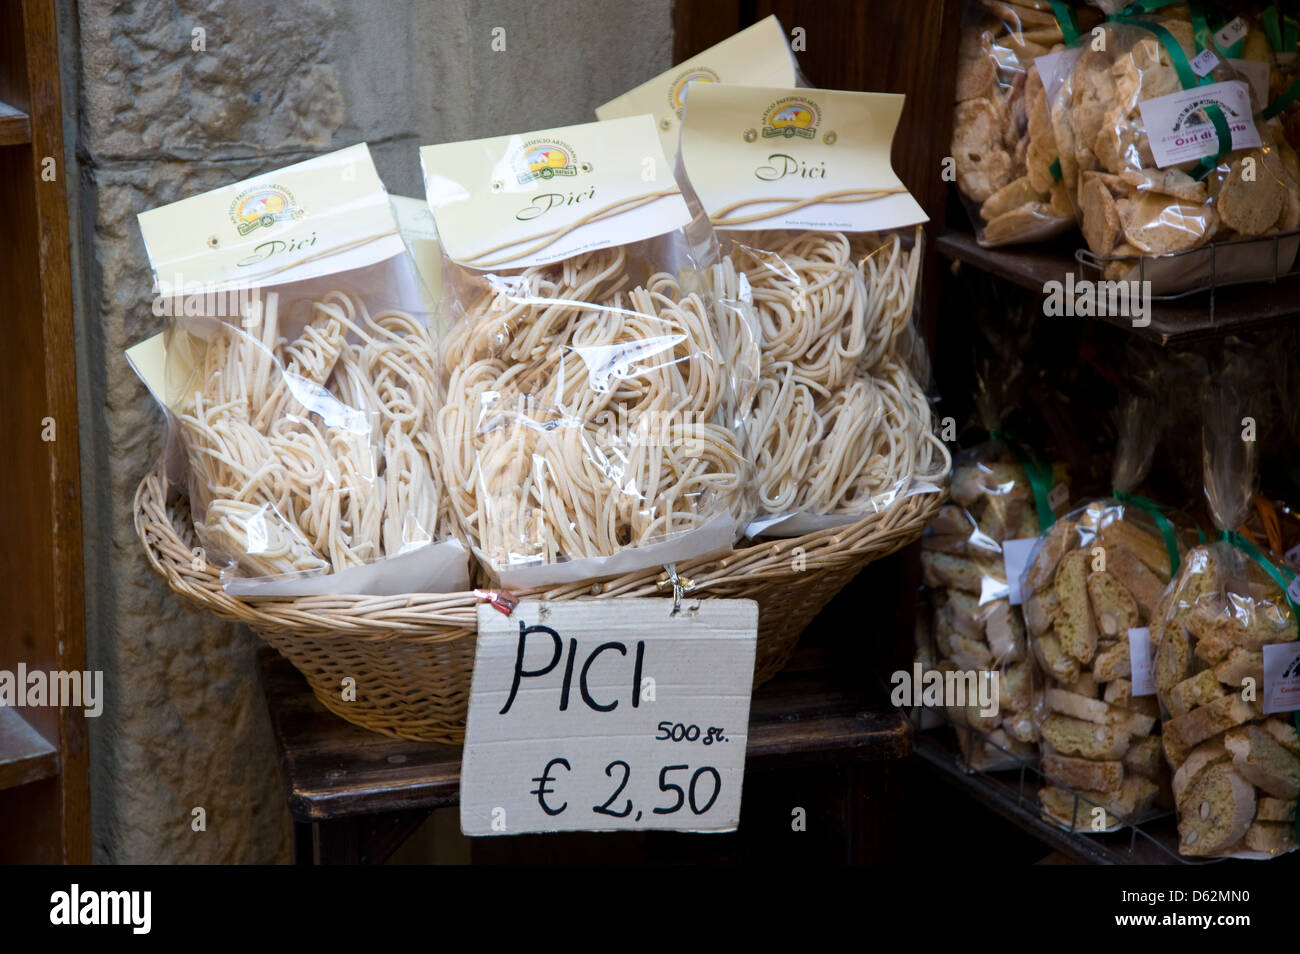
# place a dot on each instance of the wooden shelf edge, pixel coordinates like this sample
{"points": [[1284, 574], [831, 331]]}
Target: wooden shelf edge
{"points": [[25, 756], [15, 126], [1240, 307]]}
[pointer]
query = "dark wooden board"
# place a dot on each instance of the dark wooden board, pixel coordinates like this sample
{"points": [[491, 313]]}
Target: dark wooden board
{"points": [[15, 126], [334, 769], [25, 756]]}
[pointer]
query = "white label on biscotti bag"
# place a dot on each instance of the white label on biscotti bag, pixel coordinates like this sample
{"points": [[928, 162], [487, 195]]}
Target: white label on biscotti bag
{"points": [[1180, 131], [606, 714], [1053, 68], [1292, 558], [1231, 33], [764, 157], [1204, 62], [1256, 74], [1293, 591], [1015, 555], [1282, 677], [1139, 660], [542, 197]]}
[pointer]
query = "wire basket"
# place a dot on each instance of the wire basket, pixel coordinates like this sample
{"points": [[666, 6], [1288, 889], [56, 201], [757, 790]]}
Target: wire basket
{"points": [[411, 656]]}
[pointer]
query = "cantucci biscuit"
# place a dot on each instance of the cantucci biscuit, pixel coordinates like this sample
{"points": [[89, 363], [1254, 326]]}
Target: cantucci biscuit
{"points": [[1113, 607], [1206, 721], [1144, 758], [1260, 760], [1074, 624], [1084, 739], [1199, 690], [1216, 811], [1076, 773]]}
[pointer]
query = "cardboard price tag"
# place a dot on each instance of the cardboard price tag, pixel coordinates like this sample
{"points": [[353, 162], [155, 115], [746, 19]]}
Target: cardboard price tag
{"points": [[608, 714]]}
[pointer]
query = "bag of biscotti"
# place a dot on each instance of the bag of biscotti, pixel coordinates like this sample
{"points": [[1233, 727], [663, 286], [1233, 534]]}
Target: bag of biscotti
{"points": [[1162, 154], [1227, 664], [1001, 500], [978, 632], [1003, 145], [1092, 588]]}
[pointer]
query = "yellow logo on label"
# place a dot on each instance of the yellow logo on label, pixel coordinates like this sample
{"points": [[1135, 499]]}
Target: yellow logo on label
{"points": [[263, 206], [677, 92], [791, 117], [546, 159]]}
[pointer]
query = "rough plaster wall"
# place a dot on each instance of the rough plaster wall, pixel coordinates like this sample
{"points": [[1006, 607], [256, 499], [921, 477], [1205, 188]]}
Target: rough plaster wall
{"points": [[151, 121]]}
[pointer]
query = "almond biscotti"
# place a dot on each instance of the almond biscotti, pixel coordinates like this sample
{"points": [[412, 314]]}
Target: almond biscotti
{"points": [[975, 627], [1098, 575], [1236, 770]]}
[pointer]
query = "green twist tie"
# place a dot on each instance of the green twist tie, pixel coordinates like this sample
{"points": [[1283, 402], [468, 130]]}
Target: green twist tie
{"points": [[1055, 169], [1065, 20], [1163, 522], [1282, 102], [1281, 30], [1040, 477]]}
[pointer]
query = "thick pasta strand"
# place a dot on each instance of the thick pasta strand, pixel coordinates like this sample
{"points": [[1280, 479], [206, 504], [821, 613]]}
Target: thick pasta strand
{"points": [[315, 454], [585, 414]]}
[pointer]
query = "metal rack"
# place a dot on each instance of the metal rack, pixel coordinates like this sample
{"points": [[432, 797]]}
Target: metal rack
{"points": [[1012, 793], [1225, 264]]}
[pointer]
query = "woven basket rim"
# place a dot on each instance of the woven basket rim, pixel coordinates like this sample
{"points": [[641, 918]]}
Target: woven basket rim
{"points": [[439, 616]]}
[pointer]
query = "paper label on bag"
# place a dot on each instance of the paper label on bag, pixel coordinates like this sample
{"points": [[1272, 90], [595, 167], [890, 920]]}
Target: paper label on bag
{"points": [[1231, 33], [1282, 677], [756, 56], [1256, 74], [1293, 591], [1204, 62], [608, 714], [764, 157], [319, 217], [1179, 131], [1015, 556], [541, 197], [1292, 558], [1054, 68], [1139, 660]]}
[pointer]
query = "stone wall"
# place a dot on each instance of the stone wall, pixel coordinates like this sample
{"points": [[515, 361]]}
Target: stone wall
{"points": [[152, 119]]}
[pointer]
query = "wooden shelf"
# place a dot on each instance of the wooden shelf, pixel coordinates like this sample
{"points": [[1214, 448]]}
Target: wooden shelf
{"points": [[335, 769], [1236, 308], [25, 756], [15, 126]]}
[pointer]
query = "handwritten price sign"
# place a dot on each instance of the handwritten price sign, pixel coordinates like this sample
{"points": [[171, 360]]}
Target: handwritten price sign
{"points": [[608, 714]]}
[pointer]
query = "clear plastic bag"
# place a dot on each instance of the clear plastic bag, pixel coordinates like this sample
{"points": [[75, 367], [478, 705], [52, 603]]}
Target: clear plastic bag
{"points": [[841, 425], [1236, 767], [1136, 198], [306, 413], [1093, 589], [591, 420], [1003, 145], [975, 626], [828, 262]]}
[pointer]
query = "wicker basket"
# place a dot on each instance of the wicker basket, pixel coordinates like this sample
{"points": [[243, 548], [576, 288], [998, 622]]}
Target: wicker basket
{"points": [[412, 655]]}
